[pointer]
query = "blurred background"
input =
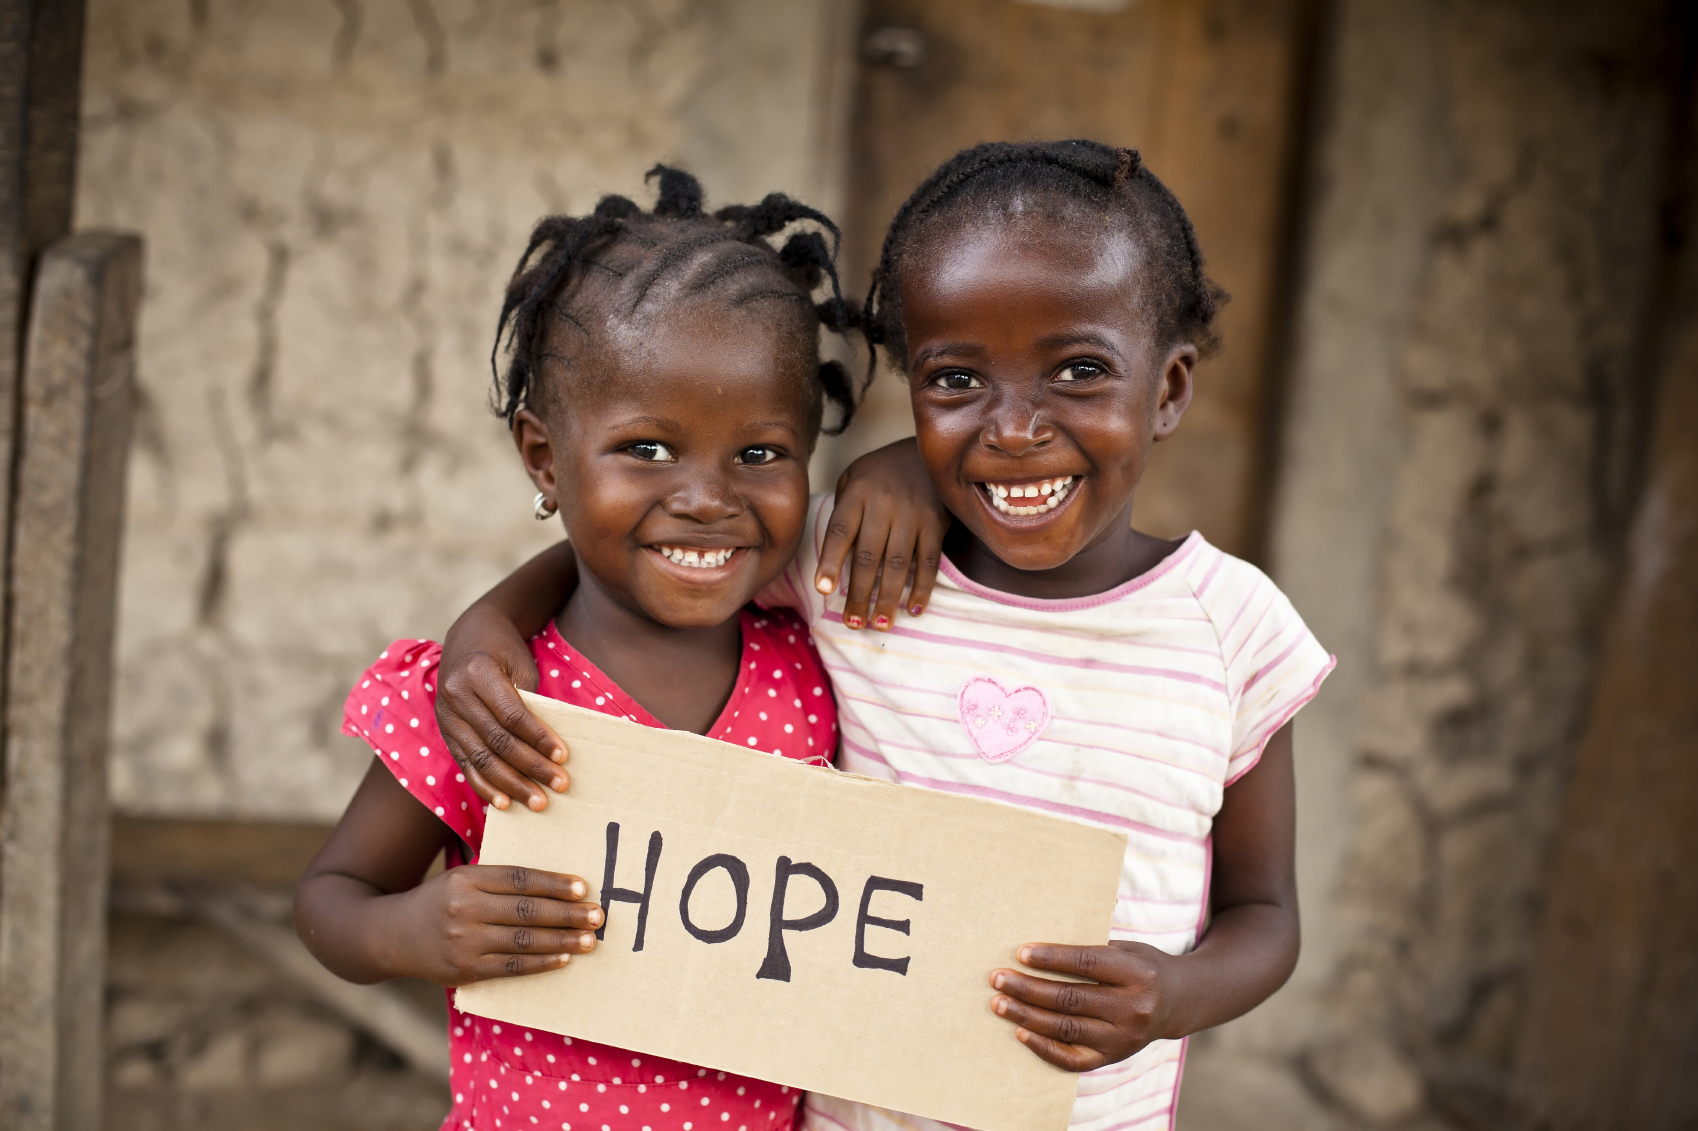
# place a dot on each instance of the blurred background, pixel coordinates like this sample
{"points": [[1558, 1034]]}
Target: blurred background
{"points": [[1456, 418]]}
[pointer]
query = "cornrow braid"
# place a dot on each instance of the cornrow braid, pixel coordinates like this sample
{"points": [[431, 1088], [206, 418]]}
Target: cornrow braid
{"points": [[1114, 183], [677, 234]]}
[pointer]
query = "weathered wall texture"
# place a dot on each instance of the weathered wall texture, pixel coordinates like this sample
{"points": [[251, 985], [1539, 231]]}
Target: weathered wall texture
{"points": [[1482, 243], [332, 194]]}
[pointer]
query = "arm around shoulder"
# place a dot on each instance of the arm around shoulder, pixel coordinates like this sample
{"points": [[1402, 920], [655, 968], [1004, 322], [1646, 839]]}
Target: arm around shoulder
{"points": [[504, 750]]}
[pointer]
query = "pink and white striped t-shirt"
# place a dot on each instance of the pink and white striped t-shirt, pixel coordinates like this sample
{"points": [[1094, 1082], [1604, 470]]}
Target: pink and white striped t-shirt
{"points": [[1134, 709]]}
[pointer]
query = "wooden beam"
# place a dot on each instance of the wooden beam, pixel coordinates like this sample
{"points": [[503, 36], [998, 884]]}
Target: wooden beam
{"points": [[241, 911], [68, 513], [41, 67], [1611, 1030]]}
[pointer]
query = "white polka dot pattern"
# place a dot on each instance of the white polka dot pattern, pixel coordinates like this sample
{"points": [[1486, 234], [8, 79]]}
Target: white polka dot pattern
{"points": [[540, 1079]]}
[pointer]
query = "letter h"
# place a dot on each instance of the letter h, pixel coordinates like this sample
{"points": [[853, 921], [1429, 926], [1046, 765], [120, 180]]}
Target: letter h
{"points": [[611, 894]]}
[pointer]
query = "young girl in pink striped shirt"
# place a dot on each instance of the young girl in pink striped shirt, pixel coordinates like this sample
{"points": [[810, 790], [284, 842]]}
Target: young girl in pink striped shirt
{"points": [[1048, 305]]}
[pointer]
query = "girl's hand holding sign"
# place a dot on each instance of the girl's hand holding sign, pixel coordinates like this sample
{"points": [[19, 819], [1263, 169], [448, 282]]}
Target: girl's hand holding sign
{"points": [[460, 926]]}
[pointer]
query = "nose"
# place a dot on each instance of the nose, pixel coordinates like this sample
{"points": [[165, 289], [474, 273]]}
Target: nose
{"points": [[1016, 426], [703, 495]]}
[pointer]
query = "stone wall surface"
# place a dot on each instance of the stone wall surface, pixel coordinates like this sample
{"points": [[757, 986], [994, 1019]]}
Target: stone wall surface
{"points": [[333, 193], [1482, 244]]}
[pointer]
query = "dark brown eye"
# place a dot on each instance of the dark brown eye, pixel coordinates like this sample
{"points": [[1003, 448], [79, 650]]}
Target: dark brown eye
{"points": [[652, 451], [957, 381], [757, 455], [1080, 371]]}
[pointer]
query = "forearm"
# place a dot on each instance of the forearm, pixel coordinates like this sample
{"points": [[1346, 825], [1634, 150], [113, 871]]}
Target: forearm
{"points": [[1247, 953], [350, 926], [531, 595]]}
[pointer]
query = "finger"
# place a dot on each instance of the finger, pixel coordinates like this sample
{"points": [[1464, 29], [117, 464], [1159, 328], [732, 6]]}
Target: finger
{"points": [[927, 554], [898, 560], [491, 749], [540, 913], [525, 759], [1103, 964], [452, 737], [1089, 1032], [480, 764], [502, 879], [839, 540], [864, 567], [496, 938], [480, 695], [515, 965], [501, 697], [1081, 999], [1074, 1058]]}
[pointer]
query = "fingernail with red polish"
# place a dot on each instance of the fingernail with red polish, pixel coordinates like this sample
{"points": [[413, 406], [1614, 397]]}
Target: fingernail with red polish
{"points": [[853, 622], [916, 610], [881, 621]]}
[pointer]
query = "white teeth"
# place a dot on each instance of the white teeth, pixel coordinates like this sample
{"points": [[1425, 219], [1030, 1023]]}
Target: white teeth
{"points": [[700, 559], [1053, 491]]}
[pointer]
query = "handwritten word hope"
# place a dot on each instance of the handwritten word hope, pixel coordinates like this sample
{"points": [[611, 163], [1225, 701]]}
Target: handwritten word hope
{"points": [[777, 963]]}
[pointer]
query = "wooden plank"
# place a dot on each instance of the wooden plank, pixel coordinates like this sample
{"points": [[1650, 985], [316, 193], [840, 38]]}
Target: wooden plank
{"points": [[41, 53], [389, 1012], [1610, 1038], [1207, 92], [68, 514], [156, 850]]}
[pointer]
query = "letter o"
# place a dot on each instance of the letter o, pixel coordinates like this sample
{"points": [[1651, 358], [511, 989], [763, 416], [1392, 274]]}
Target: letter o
{"points": [[739, 874]]}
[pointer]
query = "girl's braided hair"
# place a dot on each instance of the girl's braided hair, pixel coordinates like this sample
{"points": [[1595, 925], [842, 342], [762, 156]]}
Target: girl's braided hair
{"points": [[677, 236], [1113, 184]]}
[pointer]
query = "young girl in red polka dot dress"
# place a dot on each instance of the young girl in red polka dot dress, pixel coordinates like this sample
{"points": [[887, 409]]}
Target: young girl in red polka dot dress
{"points": [[664, 392]]}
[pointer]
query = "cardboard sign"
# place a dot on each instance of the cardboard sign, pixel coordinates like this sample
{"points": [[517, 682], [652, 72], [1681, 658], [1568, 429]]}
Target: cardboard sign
{"points": [[801, 925]]}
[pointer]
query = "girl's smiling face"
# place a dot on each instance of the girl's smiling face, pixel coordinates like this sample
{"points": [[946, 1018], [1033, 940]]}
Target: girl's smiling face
{"points": [[1036, 384], [680, 468]]}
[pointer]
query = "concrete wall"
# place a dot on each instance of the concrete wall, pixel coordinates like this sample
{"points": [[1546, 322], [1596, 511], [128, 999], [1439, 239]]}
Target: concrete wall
{"points": [[1482, 239], [333, 193]]}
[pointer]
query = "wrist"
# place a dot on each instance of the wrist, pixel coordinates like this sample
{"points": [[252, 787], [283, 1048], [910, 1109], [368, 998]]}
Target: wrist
{"points": [[1169, 979], [384, 933]]}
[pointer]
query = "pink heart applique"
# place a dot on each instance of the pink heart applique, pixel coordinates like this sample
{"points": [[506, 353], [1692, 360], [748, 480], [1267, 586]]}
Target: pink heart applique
{"points": [[1001, 723]]}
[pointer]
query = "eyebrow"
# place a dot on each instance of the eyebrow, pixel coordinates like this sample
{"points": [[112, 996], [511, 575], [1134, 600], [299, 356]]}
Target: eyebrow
{"points": [[1079, 338], [779, 425], [658, 421], [962, 349], [666, 422], [1054, 341]]}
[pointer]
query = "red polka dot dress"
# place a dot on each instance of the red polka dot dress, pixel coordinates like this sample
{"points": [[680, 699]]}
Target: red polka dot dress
{"points": [[503, 1076]]}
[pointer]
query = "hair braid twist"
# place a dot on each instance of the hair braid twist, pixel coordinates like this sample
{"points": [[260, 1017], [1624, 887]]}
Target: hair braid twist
{"points": [[1113, 182], [675, 233]]}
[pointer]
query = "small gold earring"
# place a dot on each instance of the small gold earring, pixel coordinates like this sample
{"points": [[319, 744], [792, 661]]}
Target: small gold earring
{"points": [[542, 508]]}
